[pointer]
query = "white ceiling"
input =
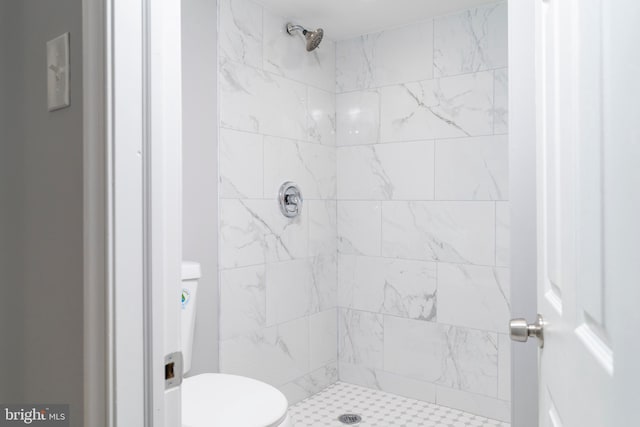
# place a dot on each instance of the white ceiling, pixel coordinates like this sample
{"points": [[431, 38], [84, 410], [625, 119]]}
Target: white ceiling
{"points": [[343, 19]]}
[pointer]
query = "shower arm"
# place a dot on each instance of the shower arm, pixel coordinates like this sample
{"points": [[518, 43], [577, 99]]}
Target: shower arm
{"points": [[293, 27]]}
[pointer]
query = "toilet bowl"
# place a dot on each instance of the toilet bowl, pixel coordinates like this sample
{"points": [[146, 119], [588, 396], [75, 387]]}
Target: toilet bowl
{"points": [[221, 400]]}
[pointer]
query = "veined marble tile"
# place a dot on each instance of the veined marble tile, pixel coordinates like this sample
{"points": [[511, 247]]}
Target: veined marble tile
{"points": [[241, 162], [288, 291], [388, 382], [359, 227], [241, 31], [442, 108], [360, 338], [504, 367], [346, 277], [311, 166], [447, 355], [503, 226], [247, 97], [413, 348], [275, 355], [470, 360], [255, 232], [470, 41], [387, 57], [401, 171], [474, 403], [403, 288], [472, 168], [358, 117], [243, 301], [322, 116], [310, 384], [324, 282], [501, 101], [474, 296], [323, 239], [461, 232], [323, 338], [287, 56]]}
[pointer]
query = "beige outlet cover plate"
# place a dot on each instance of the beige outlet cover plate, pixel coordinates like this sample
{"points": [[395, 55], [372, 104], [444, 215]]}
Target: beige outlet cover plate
{"points": [[58, 72]]}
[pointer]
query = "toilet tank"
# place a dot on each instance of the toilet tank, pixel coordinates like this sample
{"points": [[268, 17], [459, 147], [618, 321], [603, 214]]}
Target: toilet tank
{"points": [[190, 276]]}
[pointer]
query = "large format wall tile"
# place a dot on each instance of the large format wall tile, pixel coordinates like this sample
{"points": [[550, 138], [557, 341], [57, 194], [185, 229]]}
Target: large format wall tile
{"points": [[324, 282], [288, 291], [413, 349], [360, 338], [474, 296], [358, 117], [391, 286], [470, 360], [311, 166], [503, 225], [460, 232], [441, 108], [401, 171], [386, 381], [255, 232], [501, 101], [286, 55], [359, 227], [276, 355], [474, 403], [470, 41], [322, 116], [504, 367], [323, 239], [392, 56], [243, 291], [310, 384], [323, 338], [241, 164], [446, 355], [472, 168], [247, 97], [241, 32]]}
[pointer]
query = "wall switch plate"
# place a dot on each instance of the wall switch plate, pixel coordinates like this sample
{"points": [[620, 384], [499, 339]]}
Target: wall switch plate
{"points": [[58, 72]]}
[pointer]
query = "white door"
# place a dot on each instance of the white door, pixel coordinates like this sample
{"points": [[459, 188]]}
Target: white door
{"points": [[576, 364], [585, 145]]}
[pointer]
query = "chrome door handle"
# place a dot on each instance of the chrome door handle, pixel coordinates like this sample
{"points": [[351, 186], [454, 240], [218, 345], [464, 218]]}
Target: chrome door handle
{"points": [[520, 330]]}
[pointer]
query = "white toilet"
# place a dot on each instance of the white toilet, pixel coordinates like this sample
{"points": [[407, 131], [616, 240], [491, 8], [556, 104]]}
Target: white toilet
{"points": [[220, 400]]}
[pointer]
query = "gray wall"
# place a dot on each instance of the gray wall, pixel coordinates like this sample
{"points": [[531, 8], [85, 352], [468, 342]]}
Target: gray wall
{"points": [[11, 201], [50, 181], [200, 160]]}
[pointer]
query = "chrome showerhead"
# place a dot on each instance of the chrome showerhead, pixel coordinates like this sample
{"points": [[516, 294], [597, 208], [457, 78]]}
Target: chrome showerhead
{"points": [[313, 37]]}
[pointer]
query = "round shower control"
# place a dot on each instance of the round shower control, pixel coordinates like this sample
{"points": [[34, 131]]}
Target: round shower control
{"points": [[290, 199]]}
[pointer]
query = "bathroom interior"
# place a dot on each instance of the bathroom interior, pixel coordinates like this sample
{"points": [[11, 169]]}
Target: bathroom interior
{"points": [[392, 283], [363, 208], [393, 277]]}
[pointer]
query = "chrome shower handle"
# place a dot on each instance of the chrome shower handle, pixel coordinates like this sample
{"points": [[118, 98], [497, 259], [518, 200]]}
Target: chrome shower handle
{"points": [[290, 199]]}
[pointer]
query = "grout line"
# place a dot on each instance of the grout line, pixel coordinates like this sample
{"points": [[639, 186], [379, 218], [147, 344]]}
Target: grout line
{"points": [[424, 322], [403, 83]]}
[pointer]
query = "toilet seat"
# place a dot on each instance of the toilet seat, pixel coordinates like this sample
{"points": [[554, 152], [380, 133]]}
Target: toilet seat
{"points": [[221, 400]]}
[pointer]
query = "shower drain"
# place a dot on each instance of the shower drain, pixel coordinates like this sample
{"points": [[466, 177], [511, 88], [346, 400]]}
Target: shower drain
{"points": [[350, 419]]}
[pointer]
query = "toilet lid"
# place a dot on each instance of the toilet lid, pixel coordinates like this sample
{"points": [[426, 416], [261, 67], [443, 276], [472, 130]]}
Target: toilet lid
{"points": [[220, 400]]}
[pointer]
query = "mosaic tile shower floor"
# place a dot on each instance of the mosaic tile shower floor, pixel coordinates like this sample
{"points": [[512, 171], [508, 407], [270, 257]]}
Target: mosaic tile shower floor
{"points": [[379, 409]]}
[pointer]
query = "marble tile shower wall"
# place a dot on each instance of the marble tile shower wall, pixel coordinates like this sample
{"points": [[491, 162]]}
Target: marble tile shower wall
{"points": [[278, 279], [422, 210]]}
